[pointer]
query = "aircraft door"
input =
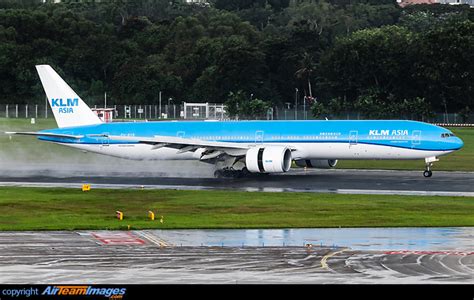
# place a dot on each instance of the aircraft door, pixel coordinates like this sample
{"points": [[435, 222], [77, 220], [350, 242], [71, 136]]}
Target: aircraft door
{"points": [[416, 138], [353, 137]]}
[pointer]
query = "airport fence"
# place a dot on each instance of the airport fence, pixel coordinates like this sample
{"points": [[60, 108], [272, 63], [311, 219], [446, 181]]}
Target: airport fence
{"points": [[211, 111], [124, 112], [437, 118], [120, 111]]}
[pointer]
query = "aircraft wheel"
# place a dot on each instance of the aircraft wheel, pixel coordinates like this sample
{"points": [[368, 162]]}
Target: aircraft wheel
{"points": [[427, 174], [245, 172]]}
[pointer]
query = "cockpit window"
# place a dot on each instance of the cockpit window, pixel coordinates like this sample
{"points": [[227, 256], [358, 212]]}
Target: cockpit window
{"points": [[446, 135]]}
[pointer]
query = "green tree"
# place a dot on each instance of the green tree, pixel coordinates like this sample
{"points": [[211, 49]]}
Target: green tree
{"points": [[371, 59], [465, 113], [445, 66], [240, 106], [307, 67], [255, 109], [234, 102]]}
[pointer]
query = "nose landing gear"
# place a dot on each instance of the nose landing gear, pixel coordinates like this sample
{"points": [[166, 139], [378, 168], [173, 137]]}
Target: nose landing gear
{"points": [[428, 164], [427, 173]]}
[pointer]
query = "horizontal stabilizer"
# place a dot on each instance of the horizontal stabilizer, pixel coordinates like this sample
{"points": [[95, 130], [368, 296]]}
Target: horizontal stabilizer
{"points": [[46, 134]]}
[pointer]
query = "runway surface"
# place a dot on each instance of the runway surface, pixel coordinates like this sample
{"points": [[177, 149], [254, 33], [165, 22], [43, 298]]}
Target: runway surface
{"points": [[299, 180], [388, 256], [128, 257]]}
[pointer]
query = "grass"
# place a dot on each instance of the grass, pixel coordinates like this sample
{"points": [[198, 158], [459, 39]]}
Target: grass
{"points": [[33, 150], [27, 148], [25, 124], [72, 209]]}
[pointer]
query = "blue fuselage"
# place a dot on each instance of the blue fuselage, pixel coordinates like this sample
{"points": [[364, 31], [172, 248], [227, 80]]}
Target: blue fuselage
{"points": [[399, 134]]}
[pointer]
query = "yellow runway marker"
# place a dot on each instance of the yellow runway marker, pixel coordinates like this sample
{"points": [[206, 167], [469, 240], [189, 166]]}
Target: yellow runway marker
{"points": [[151, 215]]}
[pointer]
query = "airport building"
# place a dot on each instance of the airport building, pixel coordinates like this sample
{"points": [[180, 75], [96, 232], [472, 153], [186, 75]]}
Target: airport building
{"points": [[105, 114]]}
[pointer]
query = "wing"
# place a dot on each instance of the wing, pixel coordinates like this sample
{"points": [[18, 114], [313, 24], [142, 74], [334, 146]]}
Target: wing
{"points": [[67, 136], [210, 149]]}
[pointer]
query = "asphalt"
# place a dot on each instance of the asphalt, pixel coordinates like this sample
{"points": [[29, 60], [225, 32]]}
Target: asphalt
{"points": [[222, 257], [123, 257], [332, 181]]}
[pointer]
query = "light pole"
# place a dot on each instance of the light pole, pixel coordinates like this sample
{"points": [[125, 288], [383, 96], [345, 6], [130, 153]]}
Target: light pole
{"points": [[251, 97], [159, 117], [304, 107], [287, 107], [296, 104], [270, 113], [169, 100]]}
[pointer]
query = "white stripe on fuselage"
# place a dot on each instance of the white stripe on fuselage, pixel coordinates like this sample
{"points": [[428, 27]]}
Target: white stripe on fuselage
{"points": [[359, 151], [304, 151]]}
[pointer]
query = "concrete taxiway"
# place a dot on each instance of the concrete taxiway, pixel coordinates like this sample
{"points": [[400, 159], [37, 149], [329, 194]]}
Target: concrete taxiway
{"points": [[299, 180], [151, 257]]}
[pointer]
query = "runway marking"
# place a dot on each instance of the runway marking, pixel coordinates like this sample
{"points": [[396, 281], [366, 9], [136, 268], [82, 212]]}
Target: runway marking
{"points": [[154, 239], [247, 189], [408, 252], [447, 267], [325, 258], [462, 265], [118, 238], [418, 260]]}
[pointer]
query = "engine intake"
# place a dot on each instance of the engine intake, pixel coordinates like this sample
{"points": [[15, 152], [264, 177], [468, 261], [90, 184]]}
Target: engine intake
{"points": [[271, 159], [316, 163]]}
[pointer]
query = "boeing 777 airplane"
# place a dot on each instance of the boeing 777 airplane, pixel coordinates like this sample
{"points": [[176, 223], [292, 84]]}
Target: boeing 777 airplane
{"points": [[240, 147]]}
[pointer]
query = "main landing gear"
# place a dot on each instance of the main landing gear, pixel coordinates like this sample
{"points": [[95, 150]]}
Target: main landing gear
{"points": [[231, 173], [428, 164]]}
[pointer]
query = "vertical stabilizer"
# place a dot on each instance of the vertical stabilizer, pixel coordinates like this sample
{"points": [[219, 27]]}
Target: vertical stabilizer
{"points": [[68, 108]]}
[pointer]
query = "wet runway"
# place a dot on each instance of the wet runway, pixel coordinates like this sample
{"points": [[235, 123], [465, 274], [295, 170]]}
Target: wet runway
{"points": [[379, 239], [387, 256], [299, 180], [155, 256]]}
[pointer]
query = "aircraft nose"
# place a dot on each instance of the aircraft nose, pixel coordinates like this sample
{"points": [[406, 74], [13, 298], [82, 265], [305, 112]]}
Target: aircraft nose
{"points": [[459, 143]]}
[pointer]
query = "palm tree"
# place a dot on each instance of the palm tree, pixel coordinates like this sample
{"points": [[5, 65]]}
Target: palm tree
{"points": [[307, 67]]}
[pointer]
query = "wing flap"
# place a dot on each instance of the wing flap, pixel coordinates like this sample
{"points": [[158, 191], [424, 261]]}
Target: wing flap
{"points": [[179, 142]]}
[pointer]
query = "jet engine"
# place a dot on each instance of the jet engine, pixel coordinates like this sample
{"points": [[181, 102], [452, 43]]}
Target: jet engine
{"points": [[316, 163], [270, 159]]}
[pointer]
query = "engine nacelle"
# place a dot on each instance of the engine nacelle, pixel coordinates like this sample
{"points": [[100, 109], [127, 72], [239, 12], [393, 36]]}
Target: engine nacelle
{"points": [[316, 163], [270, 159]]}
